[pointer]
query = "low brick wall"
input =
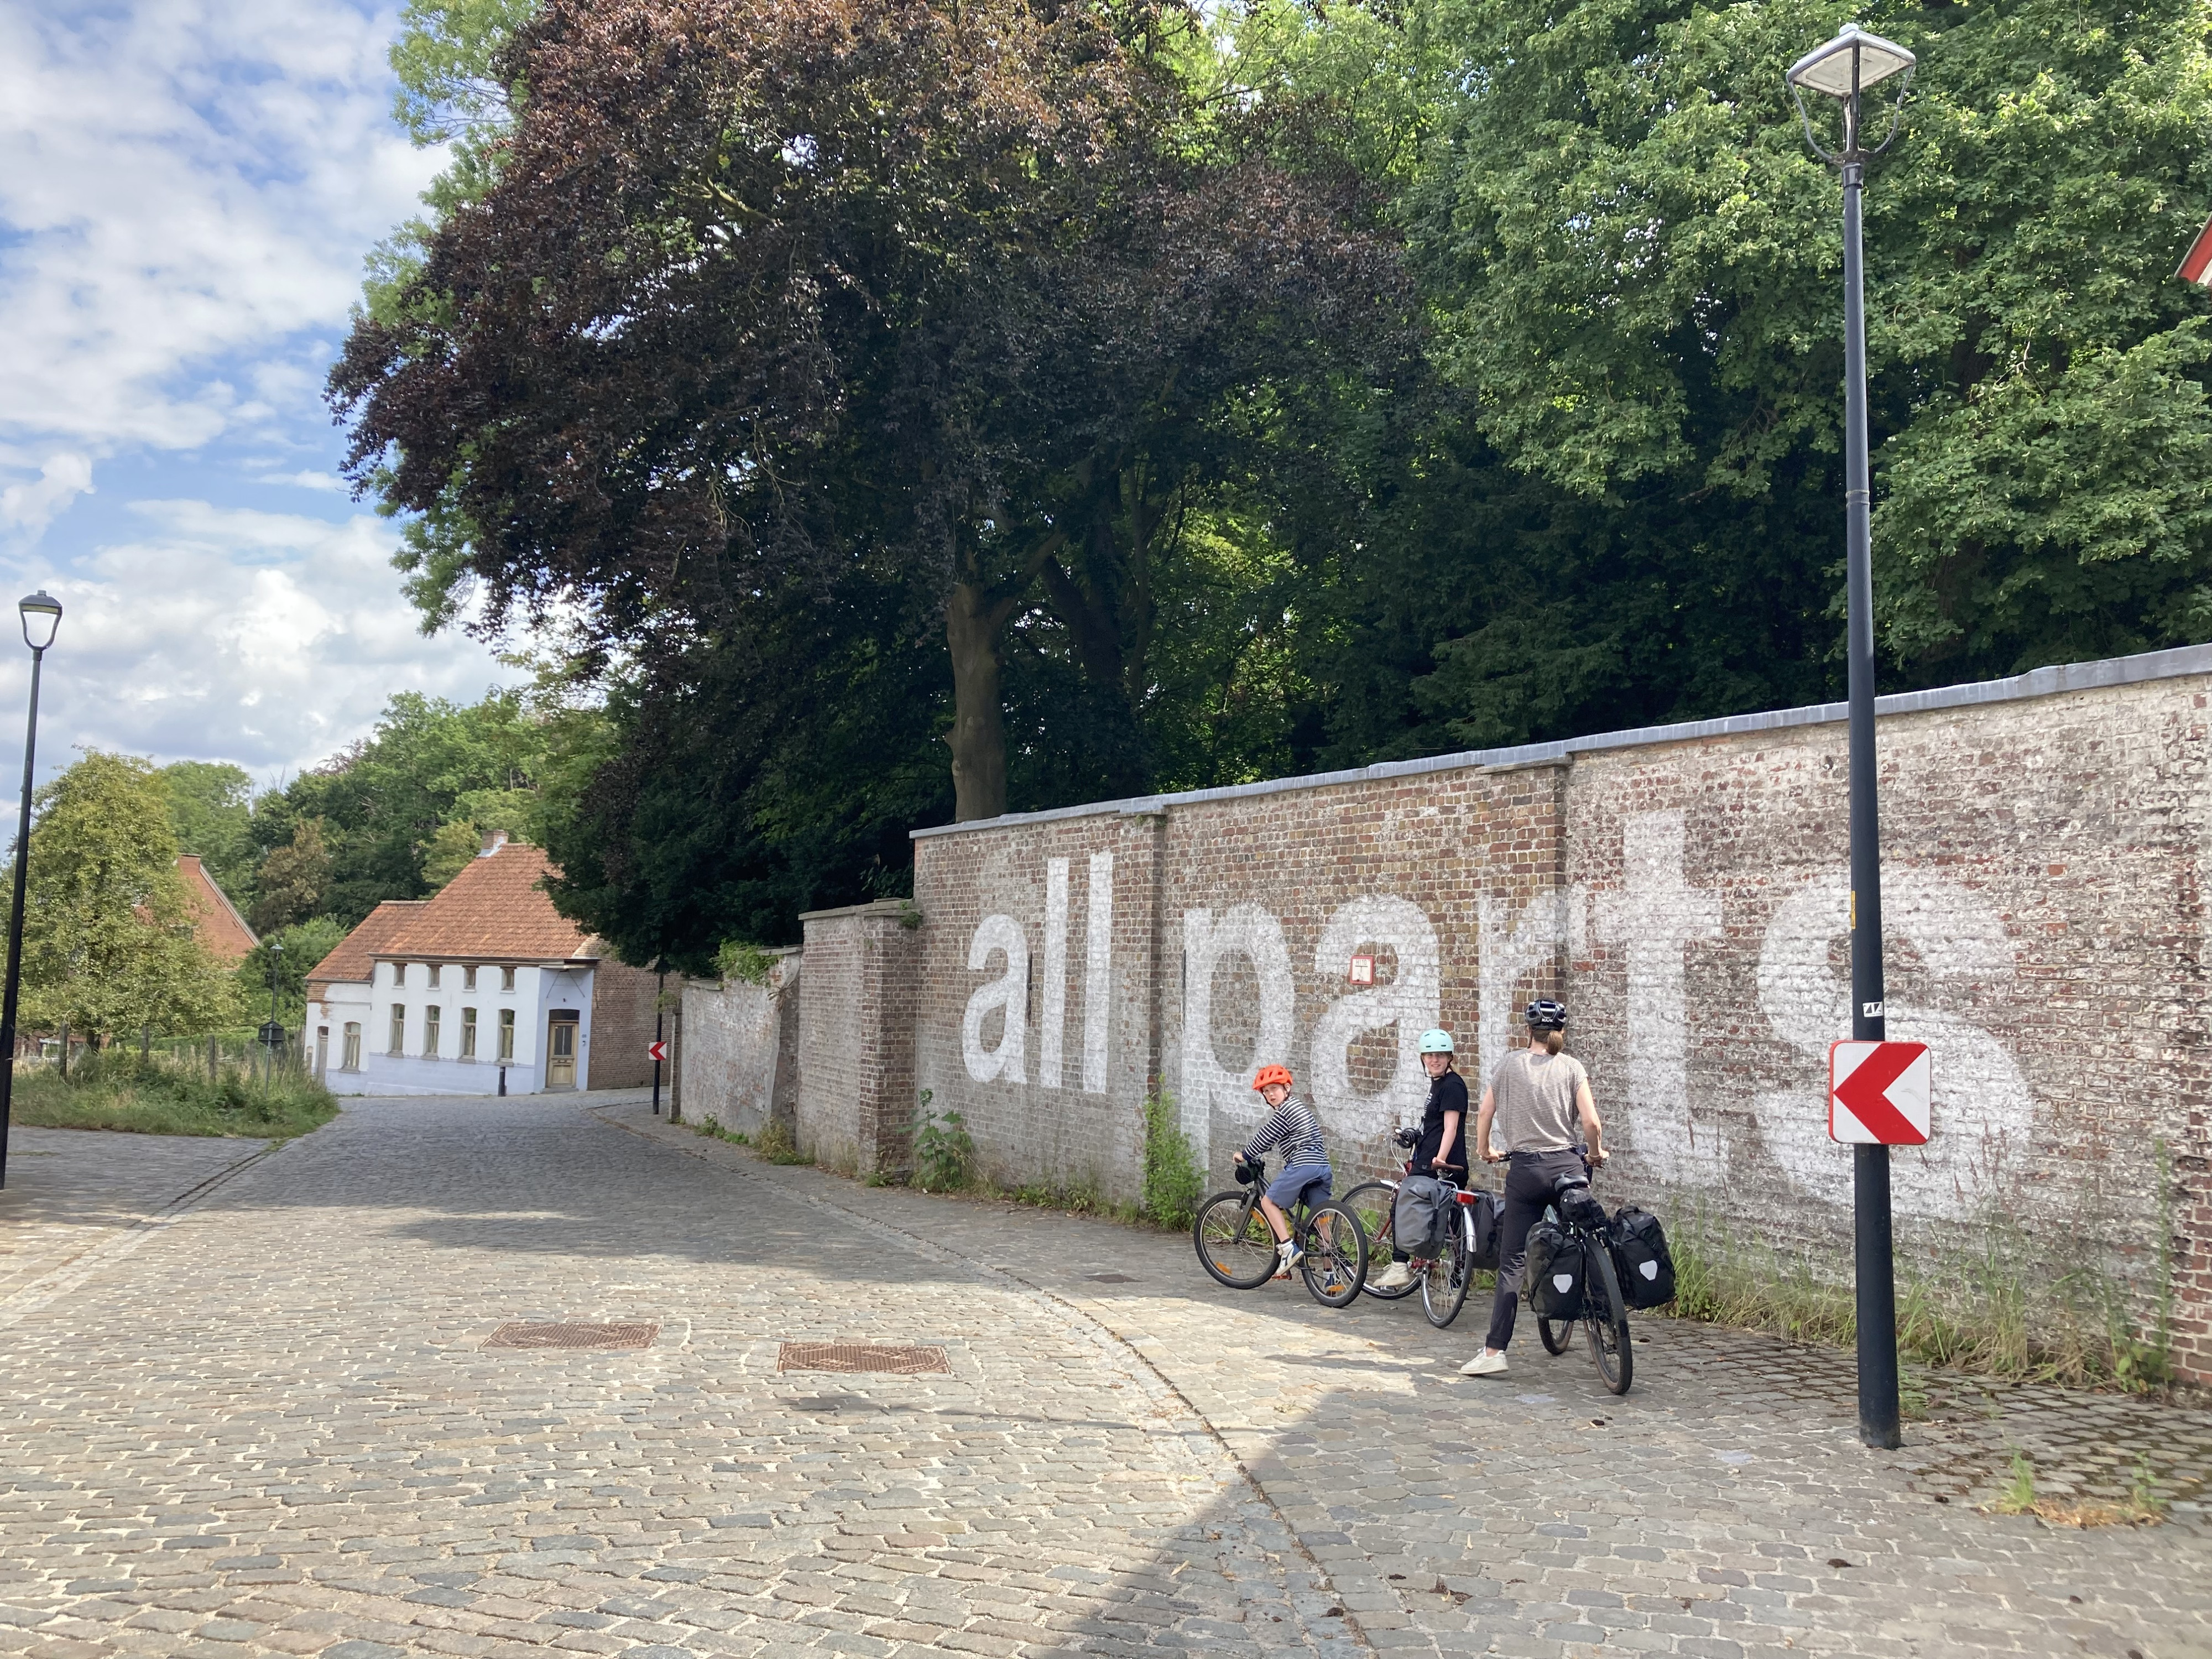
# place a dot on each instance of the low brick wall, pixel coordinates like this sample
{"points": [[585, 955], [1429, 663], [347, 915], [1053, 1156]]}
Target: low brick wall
{"points": [[2046, 842], [740, 1057]]}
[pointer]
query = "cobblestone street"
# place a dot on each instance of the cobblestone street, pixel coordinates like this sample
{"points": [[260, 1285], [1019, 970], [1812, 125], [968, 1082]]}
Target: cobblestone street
{"points": [[264, 1421]]}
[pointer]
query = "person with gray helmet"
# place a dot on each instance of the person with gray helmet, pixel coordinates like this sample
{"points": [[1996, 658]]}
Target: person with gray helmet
{"points": [[1441, 1150], [1537, 1118]]}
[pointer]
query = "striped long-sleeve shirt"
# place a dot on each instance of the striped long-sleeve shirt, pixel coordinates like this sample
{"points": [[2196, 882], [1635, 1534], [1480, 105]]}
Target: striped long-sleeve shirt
{"points": [[1292, 1126]]}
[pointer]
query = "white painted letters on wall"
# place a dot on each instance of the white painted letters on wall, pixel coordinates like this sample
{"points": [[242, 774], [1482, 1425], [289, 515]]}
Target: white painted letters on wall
{"points": [[1508, 946], [1410, 1002], [1008, 994], [1052, 1016], [1098, 973], [1244, 930], [1984, 1111], [1656, 914]]}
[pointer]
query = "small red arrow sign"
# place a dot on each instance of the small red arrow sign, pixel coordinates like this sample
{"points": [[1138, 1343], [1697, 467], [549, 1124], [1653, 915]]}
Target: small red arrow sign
{"points": [[658, 1051], [1879, 1093]]}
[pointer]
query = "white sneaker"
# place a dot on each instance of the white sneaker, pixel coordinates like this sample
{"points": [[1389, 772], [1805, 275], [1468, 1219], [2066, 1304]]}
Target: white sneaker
{"points": [[1400, 1275], [1288, 1254], [1485, 1363]]}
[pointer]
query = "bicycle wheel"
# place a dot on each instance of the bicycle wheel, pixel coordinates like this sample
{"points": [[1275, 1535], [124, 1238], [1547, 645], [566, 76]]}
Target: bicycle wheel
{"points": [[1336, 1256], [1234, 1243], [1369, 1204], [1443, 1286], [1556, 1332], [1605, 1317]]}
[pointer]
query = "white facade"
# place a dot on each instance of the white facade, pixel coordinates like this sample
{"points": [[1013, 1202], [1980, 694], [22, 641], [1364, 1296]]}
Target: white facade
{"points": [[414, 1036]]}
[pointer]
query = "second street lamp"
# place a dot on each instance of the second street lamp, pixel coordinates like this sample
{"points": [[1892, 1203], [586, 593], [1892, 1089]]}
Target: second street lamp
{"points": [[42, 619], [1845, 69]]}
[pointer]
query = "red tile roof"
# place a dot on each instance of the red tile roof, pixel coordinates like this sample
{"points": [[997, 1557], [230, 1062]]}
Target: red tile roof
{"points": [[355, 956], [496, 909], [215, 921]]}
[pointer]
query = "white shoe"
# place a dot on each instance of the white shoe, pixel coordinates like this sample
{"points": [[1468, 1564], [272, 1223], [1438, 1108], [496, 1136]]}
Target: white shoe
{"points": [[1288, 1254], [1400, 1275], [1485, 1363]]}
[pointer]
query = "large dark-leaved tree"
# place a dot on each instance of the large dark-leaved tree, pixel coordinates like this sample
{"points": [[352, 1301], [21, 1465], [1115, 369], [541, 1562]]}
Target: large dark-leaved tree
{"points": [[962, 305]]}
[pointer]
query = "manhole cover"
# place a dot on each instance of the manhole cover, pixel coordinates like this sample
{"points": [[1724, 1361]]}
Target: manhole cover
{"points": [[900, 1361], [1110, 1278], [572, 1335]]}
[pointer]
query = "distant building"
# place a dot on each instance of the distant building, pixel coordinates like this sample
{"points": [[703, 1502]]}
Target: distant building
{"points": [[215, 920], [440, 996]]}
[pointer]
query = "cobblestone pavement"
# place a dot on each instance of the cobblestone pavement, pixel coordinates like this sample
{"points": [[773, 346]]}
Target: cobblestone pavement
{"points": [[72, 1190], [273, 1428]]}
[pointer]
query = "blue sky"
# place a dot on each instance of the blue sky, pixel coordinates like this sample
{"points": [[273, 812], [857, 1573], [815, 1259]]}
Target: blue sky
{"points": [[187, 190]]}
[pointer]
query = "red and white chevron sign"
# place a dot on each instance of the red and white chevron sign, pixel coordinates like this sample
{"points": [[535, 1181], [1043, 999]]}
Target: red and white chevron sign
{"points": [[1879, 1093]]}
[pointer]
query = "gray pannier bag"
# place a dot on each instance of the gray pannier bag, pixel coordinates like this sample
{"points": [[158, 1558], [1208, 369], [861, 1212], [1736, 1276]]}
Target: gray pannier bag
{"points": [[1418, 1227]]}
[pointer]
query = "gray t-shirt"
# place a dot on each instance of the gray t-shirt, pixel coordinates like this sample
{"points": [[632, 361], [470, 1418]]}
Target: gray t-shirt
{"points": [[1535, 1104]]}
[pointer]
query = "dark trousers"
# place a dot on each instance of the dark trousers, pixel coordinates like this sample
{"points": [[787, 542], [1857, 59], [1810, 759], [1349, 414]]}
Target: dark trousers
{"points": [[1528, 1178]]}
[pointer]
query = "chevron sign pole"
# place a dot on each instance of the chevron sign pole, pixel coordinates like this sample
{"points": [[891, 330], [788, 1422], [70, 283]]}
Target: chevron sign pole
{"points": [[1880, 1094]]}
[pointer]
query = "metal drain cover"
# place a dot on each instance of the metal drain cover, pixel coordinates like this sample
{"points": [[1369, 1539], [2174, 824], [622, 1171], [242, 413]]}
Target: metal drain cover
{"points": [[571, 1334], [1111, 1278], [904, 1359]]}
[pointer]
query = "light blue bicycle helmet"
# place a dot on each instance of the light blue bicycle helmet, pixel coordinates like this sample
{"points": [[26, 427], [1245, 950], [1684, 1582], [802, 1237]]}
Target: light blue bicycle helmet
{"points": [[1435, 1042]]}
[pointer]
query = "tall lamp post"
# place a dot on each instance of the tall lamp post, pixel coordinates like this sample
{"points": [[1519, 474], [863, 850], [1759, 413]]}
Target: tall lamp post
{"points": [[1845, 69], [42, 619]]}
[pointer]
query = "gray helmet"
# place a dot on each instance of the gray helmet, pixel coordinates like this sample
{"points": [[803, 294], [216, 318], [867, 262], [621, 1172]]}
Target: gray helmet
{"points": [[1545, 1015], [1436, 1043]]}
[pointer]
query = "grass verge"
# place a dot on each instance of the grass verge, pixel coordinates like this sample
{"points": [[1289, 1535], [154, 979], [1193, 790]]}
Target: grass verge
{"points": [[157, 1095]]}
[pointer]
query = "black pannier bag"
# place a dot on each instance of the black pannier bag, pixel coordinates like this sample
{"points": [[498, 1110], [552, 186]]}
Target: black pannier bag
{"points": [[1556, 1271], [1580, 1207], [1641, 1257], [1422, 1210], [1487, 1217]]}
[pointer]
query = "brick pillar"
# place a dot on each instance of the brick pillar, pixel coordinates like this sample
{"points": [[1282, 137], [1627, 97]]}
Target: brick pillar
{"points": [[858, 998]]}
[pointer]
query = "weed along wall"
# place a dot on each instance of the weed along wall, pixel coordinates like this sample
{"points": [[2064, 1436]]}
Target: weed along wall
{"points": [[2046, 843]]}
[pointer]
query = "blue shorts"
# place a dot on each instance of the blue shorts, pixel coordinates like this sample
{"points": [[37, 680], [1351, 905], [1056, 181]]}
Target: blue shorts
{"points": [[1286, 1188]]}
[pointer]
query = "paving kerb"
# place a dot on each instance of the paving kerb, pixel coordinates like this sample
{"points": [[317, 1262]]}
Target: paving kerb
{"points": [[273, 1429], [1733, 1462]]}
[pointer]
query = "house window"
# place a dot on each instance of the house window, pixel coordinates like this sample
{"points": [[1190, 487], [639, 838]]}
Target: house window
{"points": [[434, 976], [468, 979], [430, 1029], [507, 1033], [507, 979], [399, 972], [468, 1034], [399, 1029], [352, 1061]]}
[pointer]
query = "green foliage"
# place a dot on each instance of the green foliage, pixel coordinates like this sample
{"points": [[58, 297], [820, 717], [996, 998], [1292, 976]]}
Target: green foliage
{"points": [[775, 1144], [944, 1151], [451, 849], [1173, 1182], [107, 940], [116, 1090], [210, 808], [306, 944], [2019, 1497], [748, 963], [445, 60], [293, 878]]}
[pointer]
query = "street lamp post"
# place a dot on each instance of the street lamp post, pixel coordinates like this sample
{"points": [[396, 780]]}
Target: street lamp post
{"points": [[42, 618], [1844, 69], [272, 1034]]}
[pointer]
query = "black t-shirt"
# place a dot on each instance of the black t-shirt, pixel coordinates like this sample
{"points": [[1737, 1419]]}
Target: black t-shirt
{"points": [[1446, 1093]]}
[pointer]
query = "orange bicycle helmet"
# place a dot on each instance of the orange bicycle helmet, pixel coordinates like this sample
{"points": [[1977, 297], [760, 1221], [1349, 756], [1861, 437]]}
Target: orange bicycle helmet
{"points": [[1273, 1074]]}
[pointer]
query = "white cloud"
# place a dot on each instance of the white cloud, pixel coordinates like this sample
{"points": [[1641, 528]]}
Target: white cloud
{"points": [[30, 506], [270, 639], [183, 179]]}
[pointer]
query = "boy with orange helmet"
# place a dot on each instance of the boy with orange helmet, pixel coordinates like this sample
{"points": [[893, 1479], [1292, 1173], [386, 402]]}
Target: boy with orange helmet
{"points": [[1292, 1125]]}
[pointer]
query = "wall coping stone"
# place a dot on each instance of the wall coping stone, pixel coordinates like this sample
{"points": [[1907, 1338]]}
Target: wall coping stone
{"points": [[889, 907], [2172, 664]]}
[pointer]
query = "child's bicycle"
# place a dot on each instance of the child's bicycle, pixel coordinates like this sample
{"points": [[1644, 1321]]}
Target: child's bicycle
{"points": [[1237, 1246], [1442, 1279]]}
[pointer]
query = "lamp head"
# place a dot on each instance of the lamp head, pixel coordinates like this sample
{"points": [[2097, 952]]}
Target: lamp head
{"points": [[1850, 63], [42, 618]]}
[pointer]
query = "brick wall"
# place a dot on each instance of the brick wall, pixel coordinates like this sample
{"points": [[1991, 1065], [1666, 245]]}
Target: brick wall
{"points": [[857, 1018], [740, 1052], [2044, 843], [621, 1025]]}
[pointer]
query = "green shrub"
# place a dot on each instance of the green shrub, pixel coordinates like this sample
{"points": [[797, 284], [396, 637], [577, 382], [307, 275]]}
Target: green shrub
{"points": [[740, 960], [944, 1151], [775, 1144], [1173, 1182], [116, 1089]]}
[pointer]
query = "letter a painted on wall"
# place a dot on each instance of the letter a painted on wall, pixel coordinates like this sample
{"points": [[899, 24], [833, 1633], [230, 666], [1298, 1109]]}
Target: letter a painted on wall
{"points": [[1879, 1093]]}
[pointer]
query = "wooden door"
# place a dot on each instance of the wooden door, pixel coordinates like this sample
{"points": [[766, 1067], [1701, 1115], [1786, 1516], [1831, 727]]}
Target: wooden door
{"points": [[561, 1053]]}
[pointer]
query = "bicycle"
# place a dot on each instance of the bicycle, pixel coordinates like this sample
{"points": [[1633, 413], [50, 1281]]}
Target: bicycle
{"points": [[1604, 1317], [1236, 1246], [1443, 1280]]}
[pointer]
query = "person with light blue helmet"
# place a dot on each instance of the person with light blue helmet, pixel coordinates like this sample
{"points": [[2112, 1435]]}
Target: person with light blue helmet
{"points": [[1441, 1150]]}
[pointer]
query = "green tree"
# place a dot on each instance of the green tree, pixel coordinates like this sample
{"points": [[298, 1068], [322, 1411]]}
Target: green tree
{"points": [[306, 944], [211, 807], [293, 879], [107, 940]]}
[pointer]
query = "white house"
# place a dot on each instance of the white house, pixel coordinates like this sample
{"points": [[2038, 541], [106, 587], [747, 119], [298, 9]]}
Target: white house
{"points": [[484, 989]]}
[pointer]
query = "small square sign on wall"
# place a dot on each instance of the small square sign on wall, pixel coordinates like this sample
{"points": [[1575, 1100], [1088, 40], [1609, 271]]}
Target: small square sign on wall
{"points": [[1362, 971]]}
